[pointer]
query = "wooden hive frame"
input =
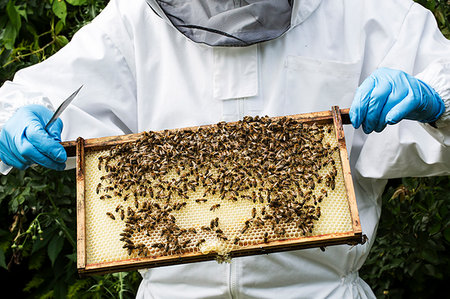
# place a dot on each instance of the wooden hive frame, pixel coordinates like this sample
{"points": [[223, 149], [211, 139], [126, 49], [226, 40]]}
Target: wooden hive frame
{"points": [[77, 148]]}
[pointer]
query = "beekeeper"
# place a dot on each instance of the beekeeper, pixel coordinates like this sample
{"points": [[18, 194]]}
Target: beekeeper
{"points": [[153, 65]]}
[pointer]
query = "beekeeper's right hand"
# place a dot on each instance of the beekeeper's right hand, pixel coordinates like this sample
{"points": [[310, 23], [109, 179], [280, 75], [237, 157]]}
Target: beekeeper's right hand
{"points": [[24, 141]]}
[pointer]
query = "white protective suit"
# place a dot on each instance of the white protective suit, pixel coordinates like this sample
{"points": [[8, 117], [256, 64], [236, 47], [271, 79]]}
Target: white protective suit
{"points": [[140, 73]]}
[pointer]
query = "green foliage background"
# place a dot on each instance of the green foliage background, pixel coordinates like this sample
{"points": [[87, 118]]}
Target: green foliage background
{"points": [[410, 257]]}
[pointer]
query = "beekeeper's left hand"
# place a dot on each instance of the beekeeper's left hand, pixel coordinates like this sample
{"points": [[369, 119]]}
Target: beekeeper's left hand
{"points": [[387, 96]]}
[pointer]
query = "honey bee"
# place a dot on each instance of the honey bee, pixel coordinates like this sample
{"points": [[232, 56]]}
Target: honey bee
{"points": [[99, 186], [201, 200], [364, 239], [261, 199], [236, 241], [319, 179], [158, 245], [200, 242], [266, 239], [318, 213], [246, 226], [253, 212], [185, 243], [206, 228], [110, 215], [214, 223], [214, 207], [130, 212], [259, 221]]}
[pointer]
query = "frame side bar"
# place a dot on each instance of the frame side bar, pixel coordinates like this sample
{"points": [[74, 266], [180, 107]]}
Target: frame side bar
{"points": [[348, 181], [81, 220]]}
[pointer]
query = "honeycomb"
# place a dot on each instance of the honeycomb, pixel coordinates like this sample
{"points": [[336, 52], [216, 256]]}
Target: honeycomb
{"points": [[198, 220]]}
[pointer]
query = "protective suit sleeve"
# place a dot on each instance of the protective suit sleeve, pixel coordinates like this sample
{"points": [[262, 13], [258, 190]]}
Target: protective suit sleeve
{"points": [[437, 74], [97, 58], [13, 97], [411, 148]]}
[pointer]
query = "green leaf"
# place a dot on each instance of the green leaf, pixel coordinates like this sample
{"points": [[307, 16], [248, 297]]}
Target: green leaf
{"points": [[36, 261], [447, 234], [2, 259], [435, 228], [439, 16], [9, 36], [412, 268], [13, 14], [72, 257], [76, 2], [14, 205], [431, 270], [61, 40], [59, 26], [54, 248], [430, 255], [77, 288], [21, 10], [34, 283], [49, 294], [32, 30], [59, 8], [446, 32]]}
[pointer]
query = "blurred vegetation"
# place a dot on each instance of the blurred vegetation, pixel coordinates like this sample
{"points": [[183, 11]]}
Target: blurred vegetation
{"points": [[410, 257]]}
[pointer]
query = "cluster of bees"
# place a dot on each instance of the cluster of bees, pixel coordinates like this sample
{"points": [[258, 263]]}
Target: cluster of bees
{"points": [[283, 167]]}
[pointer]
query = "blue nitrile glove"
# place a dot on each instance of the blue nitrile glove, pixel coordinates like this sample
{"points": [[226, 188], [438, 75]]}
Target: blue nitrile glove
{"points": [[387, 96], [23, 140]]}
